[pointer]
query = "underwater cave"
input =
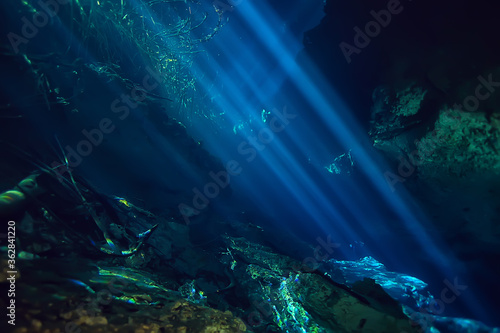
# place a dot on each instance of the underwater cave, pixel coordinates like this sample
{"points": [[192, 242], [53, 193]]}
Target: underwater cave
{"points": [[249, 166]]}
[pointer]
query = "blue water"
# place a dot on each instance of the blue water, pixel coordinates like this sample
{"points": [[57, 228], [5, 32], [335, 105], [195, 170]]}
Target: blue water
{"points": [[285, 175], [280, 124]]}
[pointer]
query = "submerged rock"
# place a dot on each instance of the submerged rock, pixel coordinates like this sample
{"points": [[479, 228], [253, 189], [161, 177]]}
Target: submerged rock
{"points": [[295, 300]]}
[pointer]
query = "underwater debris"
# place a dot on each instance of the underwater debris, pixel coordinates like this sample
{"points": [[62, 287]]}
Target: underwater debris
{"points": [[49, 192], [133, 246], [191, 294], [342, 164], [112, 299], [127, 205]]}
